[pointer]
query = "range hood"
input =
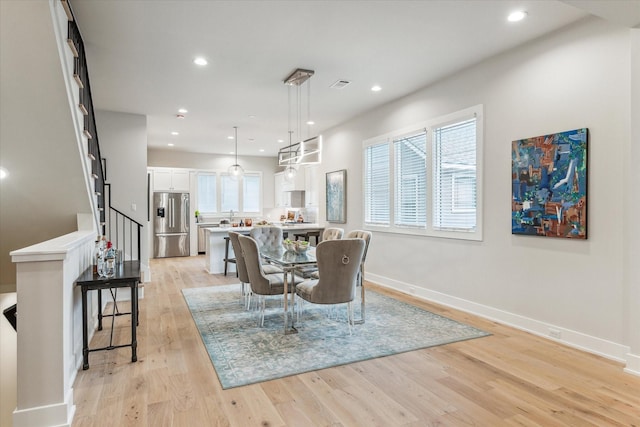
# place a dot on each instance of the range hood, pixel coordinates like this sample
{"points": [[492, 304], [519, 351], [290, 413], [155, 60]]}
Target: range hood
{"points": [[295, 199]]}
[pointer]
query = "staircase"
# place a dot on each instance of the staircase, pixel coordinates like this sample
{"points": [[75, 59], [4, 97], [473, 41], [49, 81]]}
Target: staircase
{"points": [[123, 231]]}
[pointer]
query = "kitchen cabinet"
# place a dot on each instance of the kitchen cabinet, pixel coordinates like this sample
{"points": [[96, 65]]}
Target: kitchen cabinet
{"points": [[171, 180], [311, 186], [282, 188]]}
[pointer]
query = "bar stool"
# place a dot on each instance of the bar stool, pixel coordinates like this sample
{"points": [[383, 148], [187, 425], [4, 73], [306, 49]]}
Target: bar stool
{"points": [[308, 235], [227, 260]]}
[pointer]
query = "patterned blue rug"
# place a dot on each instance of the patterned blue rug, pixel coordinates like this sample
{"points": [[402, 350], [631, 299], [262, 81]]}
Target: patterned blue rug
{"points": [[243, 353]]}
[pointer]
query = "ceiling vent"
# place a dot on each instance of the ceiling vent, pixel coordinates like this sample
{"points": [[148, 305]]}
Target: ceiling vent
{"points": [[340, 84]]}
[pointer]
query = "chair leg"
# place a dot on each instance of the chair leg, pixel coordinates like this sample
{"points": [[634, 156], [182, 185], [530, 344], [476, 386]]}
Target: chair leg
{"points": [[350, 315], [361, 283], [262, 311]]}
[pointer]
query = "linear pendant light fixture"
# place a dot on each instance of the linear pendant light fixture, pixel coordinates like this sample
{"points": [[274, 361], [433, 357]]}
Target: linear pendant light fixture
{"points": [[298, 152], [235, 170]]}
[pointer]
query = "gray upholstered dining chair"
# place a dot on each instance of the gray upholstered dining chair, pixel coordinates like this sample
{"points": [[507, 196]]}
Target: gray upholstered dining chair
{"points": [[262, 284], [328, 234], [338, 263], [366, 236], [241, 268], [267, 236], [243, 275], [332, 233]]}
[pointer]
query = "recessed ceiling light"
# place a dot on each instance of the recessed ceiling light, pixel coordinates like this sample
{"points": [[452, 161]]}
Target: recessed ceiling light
{"points": [[517, 16], [174, 133], [376, 88], [311, 122], [3, 173], [230, 137], [200, 61], [170, 144], [261, 150], [183, 111], [252, 116], [281, 140], [231, 152]]}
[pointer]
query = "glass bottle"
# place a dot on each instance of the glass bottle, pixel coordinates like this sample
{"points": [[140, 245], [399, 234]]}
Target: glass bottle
{"points": [[110, 260], [96, 255]]}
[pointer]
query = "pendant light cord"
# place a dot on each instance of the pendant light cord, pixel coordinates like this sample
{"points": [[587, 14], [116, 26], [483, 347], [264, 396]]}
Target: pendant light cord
{"points": [[236, 138]]}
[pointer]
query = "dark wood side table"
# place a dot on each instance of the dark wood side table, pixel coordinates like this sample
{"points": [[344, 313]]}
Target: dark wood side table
{"points": [[127, 275]]}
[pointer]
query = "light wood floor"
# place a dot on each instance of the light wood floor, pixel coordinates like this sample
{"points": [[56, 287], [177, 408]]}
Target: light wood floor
{"points": [[508, 379]]}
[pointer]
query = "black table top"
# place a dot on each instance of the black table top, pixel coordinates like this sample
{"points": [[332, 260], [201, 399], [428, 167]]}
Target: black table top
{"points": [[126, 272]]}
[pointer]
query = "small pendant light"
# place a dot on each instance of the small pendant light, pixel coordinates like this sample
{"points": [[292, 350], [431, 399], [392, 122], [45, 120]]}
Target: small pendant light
{"points": [[290, 172], [236, 171]]}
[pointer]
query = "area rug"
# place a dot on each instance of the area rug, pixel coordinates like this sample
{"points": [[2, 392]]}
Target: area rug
{"points": [[243, 353]]}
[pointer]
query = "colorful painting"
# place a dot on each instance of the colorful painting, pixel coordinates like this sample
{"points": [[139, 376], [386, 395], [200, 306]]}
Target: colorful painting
{"points": [[337, 196], [549, 185]]}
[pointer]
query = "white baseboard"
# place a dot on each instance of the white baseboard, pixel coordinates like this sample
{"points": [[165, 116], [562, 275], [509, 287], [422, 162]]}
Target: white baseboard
{"points": [[60, 414], [633, 364], [145, 273], [591, 344]]}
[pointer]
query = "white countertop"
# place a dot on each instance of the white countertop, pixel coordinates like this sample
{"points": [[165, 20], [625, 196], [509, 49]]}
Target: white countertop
{"points": [[286, 227]]}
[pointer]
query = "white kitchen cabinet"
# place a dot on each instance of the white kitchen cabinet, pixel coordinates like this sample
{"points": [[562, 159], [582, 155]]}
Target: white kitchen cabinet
{"points": [[311, 186], [282, 197], [171, 180]]}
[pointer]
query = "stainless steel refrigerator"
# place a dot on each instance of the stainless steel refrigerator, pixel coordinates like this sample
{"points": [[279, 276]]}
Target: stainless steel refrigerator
{"points": [[170, 224]]}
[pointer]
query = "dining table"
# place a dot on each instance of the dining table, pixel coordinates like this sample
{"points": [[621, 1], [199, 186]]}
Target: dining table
{"points": [[289, 261]]}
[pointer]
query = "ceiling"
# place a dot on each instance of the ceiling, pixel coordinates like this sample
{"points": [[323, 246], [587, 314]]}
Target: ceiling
{"points": [[140, 56]]}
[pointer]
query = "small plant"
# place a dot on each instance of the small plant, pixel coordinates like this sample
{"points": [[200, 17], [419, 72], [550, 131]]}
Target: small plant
{"points": [[197, 214]]}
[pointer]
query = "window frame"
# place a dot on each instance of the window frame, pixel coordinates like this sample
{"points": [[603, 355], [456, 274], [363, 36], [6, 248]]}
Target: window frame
{"points": [[476, 234]]}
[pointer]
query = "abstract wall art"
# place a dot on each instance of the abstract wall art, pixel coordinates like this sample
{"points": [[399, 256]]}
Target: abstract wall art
{"points": [[549, 185], [337, 196]]}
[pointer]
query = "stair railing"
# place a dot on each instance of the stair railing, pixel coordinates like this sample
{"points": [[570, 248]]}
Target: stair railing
{"points": [[123, 231]]}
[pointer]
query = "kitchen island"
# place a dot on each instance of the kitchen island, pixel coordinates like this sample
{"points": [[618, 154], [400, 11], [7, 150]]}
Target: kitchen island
{"points": [[215, 242]]}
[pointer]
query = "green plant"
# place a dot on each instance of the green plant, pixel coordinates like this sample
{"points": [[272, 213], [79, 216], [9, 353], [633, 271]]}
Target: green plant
{"points": [[197, 214]]}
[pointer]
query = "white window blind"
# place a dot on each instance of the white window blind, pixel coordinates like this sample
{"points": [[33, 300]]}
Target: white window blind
{"points": [[377, 184], [207, 198], [454, 170], [251, 193], [230, 194], [410, 207]]}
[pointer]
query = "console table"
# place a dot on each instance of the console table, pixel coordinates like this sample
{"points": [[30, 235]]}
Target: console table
{"points": [[127, 275]]}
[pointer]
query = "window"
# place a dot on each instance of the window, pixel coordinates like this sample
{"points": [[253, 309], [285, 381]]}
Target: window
{"points": [[218, 193], [207, 195], [251, 194], [426, 179], [376, 184], [229, 194], [455, 176], [410, 180]]}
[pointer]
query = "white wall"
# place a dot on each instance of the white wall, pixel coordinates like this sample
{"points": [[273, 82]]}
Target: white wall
{"points": [[575, 78], [123, 143], [632, 181], [46, 186]]}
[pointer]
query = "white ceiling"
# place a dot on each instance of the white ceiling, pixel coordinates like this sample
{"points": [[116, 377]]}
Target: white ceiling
{"points": [[140, 55]]}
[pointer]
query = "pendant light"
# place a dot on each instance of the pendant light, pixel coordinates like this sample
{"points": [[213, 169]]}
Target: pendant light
{"points": [[235, 170], [289, 172]]}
